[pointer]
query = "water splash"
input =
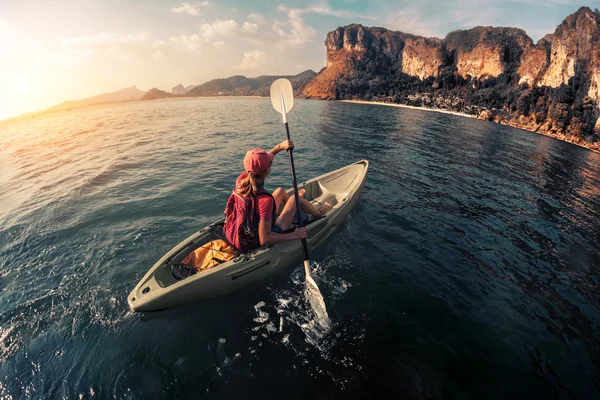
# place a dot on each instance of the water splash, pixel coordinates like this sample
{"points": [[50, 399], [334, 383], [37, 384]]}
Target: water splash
{"points": [[301, 309], [298, 320]]}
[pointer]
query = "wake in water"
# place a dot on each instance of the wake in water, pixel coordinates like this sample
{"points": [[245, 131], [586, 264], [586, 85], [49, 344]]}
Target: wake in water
{"points": [[297, 319], [301, 309]]}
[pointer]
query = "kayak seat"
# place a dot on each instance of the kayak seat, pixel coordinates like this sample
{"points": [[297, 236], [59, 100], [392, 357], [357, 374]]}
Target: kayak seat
{"points": [[181, 271], [209, 255]]}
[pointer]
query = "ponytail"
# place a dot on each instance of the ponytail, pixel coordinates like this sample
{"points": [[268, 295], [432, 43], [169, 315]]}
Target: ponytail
{"points": [[249, 185]]}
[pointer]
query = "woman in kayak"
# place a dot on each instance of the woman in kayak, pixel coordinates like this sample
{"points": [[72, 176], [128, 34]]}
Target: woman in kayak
{"points": [[249, 194]]}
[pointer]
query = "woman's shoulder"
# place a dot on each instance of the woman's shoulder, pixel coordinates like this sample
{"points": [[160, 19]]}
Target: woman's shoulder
{"points": [[264, 198]]}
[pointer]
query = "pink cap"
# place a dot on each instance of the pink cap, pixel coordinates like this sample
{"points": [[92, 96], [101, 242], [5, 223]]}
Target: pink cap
{"points": [[257, 161]]}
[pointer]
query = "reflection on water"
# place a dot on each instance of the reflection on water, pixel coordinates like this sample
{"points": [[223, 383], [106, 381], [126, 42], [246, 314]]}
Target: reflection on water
{"points": [[472, 259]]}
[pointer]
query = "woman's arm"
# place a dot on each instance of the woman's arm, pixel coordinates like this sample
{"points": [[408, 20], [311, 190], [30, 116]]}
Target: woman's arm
{"points": [[268, 237], [285, 145]]}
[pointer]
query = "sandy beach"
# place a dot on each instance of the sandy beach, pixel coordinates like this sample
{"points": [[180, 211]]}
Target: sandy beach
{"points": [[379, 103]]}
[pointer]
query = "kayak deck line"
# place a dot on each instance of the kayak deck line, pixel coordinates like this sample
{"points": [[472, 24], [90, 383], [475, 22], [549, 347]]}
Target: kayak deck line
{"points": [[159, 289]]}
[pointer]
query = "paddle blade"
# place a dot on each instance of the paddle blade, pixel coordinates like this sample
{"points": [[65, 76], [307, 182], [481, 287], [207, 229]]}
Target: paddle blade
{"points": [[309, 279], [282, 95]]}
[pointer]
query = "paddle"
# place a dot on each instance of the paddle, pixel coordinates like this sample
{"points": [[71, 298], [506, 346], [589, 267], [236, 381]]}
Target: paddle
{"points": [[282, 97]]}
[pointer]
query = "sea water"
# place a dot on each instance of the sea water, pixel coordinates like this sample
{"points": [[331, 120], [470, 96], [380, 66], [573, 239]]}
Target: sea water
{"points": [[468, 269]]}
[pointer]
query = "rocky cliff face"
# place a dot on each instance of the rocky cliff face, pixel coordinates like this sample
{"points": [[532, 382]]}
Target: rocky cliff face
{"points": [[552, 87], [534, 60], [422, 57], [487, 52], [572, 43]]}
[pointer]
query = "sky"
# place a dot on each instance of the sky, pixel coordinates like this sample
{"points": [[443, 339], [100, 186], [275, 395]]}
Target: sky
{"points": [[53, 51]]}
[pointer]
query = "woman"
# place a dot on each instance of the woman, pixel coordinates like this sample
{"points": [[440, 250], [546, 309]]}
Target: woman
{"points": [[251, 213]]}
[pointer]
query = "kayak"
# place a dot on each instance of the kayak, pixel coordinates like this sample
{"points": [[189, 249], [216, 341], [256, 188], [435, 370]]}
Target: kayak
{"points": [[160, 289]]}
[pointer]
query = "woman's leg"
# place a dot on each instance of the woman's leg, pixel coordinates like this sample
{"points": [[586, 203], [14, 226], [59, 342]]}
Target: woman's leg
{"points": [[281, 197], [284, 221], [308, 208]]}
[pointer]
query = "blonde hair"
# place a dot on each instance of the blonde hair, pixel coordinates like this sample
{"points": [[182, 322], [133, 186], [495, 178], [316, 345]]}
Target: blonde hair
{"points": [[249, 185]]}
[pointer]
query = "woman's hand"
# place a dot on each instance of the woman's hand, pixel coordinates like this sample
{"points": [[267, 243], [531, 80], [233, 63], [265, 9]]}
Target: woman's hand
{"points": [[299, 233], [286, 145]]}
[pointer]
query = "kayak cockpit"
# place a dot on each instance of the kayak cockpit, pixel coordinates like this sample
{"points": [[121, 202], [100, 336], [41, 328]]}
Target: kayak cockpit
{"points": [[163, 274]]}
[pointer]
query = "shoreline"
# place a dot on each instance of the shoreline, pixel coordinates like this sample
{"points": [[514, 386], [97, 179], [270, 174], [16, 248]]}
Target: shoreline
{"points": [[381, 103], [443, 111]]}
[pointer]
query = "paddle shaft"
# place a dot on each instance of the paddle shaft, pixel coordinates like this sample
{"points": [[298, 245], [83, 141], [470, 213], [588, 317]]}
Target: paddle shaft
{"points": [[304, 246]]}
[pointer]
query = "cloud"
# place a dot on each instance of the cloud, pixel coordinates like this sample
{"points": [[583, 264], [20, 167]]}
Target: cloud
{"points": [[474, 13], [192, 9], [252, 60], [298, 33], [257, 17], [217, 28], [192, 43], [249, 28], [324, 8], [219, 44], [128, 47], [106, 41], [430, 18], [412, 20], [230, 28]]}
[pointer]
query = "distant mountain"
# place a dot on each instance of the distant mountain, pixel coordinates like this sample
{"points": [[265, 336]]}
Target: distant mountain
{"points": [[179, 89], [126, 94], [236, 85], [130, 93], [239, 85], [233, 86], [155, 93]]}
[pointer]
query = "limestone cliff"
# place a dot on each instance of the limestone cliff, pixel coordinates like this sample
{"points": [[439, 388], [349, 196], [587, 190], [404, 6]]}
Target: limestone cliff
{"points": [[422, 57], [485, 52], [534, 61], [551, 87], [573, 42]]}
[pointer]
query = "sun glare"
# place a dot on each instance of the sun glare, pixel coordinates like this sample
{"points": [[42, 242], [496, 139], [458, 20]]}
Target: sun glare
{"points": [[23, 86]]}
